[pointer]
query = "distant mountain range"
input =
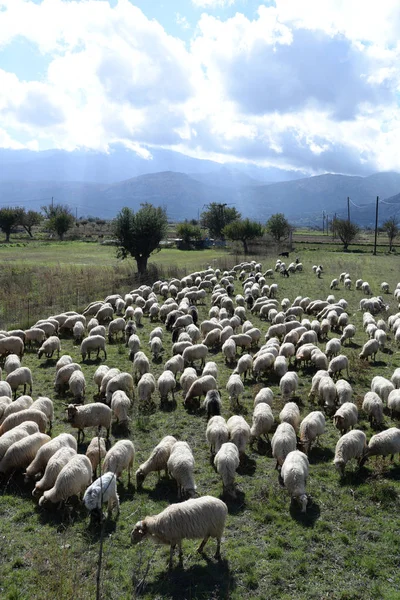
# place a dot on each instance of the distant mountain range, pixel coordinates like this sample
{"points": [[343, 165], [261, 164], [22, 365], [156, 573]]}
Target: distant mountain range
{"points": [[101, 184]]}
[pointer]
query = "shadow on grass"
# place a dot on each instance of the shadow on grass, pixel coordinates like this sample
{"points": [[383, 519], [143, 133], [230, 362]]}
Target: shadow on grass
{"points": [[165, 490], [264, 448], [168, 405], [92, 361], [120, 430], [247, 466], [236, 504], [48, 363], [310, 517], [320, 454], [211, 580]]}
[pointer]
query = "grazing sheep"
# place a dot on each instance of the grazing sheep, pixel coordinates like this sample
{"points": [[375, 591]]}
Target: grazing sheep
{"points": [[344, 392], [180, 466], [157, 460], [56, 462], [13, 345], [382, 386], [49, 346], [244, 365], [104, 489], [373, 406], [216, 433], [115, 327], [21, 376], [351, 445], [35, 335], [120, 405], [195, 518], [288, 384], [393, 403], [333, 347], [18, 433], [337, 365], [29, 414], [12, 363], [66, 359], [72, 480], [226, 461], [38, 465], [23, 403], [345, 417], [78, 332], [21, 453], [119, 458], [95, 452], [385, 287], [283, 441], [311, 427], [264, 395], [193, 353], [294, 474], [123, 382], [140, 365], [108, 375], [290, 413], [166, 384], [239, 432], [212, 403], [133, 344], [199, 388], [229, 350], [370, 348], [210, 368], [156, 347], [235, 389], [96, 414], [383, 444], [188, 376], [77, 386], [175, 365], [262, 421], [263, 363], [280, 366], [93, 343], [145, 388]]}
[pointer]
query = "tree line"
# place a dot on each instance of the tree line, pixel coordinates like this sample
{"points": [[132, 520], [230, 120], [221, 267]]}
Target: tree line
{"points": [[59, 219]]}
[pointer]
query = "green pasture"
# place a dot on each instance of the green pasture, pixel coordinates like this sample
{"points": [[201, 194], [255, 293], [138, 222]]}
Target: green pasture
{"points": [[346, 547]]}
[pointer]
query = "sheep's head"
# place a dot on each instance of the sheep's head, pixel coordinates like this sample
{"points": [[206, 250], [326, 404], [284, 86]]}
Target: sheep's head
{"points": [[91, 498], [139, 532], [303, 501], [72, 411], [339, 464], [140, 477], [40, 353]]}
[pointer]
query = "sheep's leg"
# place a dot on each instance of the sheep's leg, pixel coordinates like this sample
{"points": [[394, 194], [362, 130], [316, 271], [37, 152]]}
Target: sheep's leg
{"points": [[203, 543], [171, 554], [180, 552]]}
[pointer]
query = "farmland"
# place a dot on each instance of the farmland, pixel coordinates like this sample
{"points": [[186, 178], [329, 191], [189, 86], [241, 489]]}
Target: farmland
{"points": [[345, 547]]}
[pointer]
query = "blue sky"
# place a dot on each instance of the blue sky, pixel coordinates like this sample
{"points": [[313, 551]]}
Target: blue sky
{"points": [[299, 84]]}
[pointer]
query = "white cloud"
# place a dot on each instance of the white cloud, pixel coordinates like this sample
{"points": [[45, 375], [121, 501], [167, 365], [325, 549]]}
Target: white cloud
{"points": [[300, 85], [182, 21], [213, 3]]}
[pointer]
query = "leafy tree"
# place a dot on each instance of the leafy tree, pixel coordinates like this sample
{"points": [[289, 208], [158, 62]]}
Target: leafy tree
{"points": [[278, 226], [345, 230], [391, 228], [188, 232], [217, 216], [10, 217], [30, 219], [139, 234], [60, 218], [243, 230]]}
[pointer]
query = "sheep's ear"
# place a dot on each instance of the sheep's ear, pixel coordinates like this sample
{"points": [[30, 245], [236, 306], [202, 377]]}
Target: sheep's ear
{"points": [[143, 527]]}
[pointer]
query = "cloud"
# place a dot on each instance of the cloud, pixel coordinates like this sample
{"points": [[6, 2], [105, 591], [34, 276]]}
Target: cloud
{"points": [[182, 21], [213, 4]]}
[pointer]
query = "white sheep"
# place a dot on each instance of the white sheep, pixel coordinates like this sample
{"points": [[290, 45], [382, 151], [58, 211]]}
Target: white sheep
{"points": [[104, 489], [49, 346], [348, 333], [107, 376], [157, 460], [393, 403], [166, 384], [95, 452], [262, 421], [288, 384], [345, 417], [12, 363], [156, 347], [56, 462], [199, 388], [21, 453], [34, 335], [265, 394], [382, 386], [21, 376], [77, 386], [120, 405], [29, 414], [373, 406], [193, 353], [133, 344], [263, 363], [283, 441], [294, 474], [122, 381], [210, 368], [226, 461], [239, 432], [311, 427], [78, 332], [383, 444], [18, 433], [175, 365], [290, 413], [216, 433], [72, 480], [38, 465], [145, 388], [229, 350], [350, 445], [244, 365], [140, 365], [22, 403], [93, 343], [385, 287], [115, 327], [235, 389], [195, 518], [344, 392], [66, 359], [119, 458], [337, 365], [95, 414], [180, 466]]}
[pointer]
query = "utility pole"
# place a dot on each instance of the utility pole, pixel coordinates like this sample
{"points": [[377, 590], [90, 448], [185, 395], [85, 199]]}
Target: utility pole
{"points": [[52, 203], [76, 213], [376, 224], [323, 222], [348, 209], [327, 224]]}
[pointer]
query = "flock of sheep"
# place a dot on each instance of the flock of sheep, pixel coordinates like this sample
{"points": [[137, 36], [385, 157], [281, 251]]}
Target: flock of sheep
{"points": [[295, 336]]}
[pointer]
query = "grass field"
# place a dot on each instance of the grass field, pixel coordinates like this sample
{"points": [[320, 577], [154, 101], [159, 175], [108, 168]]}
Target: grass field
{"points": [[346, 547]]}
